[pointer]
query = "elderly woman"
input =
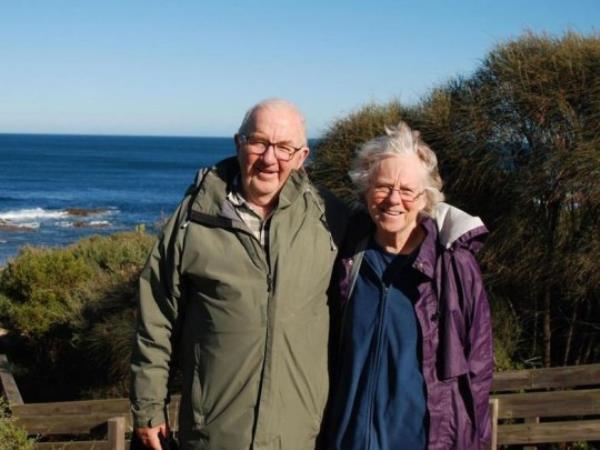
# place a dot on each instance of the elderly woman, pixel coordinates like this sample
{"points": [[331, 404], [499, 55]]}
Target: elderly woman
{"points": [[415, 362]]}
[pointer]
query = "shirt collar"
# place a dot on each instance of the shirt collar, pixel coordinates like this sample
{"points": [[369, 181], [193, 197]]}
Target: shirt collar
{"points": [[235, 194]]}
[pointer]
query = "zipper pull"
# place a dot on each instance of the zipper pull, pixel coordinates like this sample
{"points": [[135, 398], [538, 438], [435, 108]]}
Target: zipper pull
{"points": [[269, 283]]}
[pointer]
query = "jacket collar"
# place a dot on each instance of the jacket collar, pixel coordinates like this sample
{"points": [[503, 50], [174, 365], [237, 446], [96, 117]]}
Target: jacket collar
{"points": [[212, 195], [455, 225], [428, 250], [425, 261]]}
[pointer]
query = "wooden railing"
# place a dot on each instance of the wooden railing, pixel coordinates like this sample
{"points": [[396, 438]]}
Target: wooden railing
{"points": [[76, 425], [528, 407], [559, 404], [87, 418]]}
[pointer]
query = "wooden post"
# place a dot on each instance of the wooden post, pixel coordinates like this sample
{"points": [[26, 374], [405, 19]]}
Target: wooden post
{"points": [[494, 407], [116, 433], [9, 385], [531, 420]]}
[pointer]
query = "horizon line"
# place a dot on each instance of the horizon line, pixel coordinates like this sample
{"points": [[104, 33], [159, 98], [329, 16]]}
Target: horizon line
{"points": [[124, 135], [34, 133]]}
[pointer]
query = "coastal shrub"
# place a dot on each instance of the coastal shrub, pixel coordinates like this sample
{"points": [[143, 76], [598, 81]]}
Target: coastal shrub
{"points": [[523, 137], [70, 311], [336, 149], [109, 341], [333, 156], [45, 290], [507, 332], [12, 437], [517, 144], [115, 254]]}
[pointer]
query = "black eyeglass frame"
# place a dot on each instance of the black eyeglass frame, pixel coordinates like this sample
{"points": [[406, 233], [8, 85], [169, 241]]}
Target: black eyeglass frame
{"points": [[277, 146]]}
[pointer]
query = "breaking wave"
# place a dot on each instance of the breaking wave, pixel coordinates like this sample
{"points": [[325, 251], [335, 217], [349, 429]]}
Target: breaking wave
{"points": [[32, 218], [20, 215]]}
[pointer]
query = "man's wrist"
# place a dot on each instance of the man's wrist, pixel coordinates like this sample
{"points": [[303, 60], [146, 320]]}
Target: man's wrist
{"points": [[148, 418]]}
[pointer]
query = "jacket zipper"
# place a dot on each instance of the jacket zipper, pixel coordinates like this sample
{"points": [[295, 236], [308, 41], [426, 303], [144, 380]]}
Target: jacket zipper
{"points": [[374, 373], [268, 331], [205, 219]]}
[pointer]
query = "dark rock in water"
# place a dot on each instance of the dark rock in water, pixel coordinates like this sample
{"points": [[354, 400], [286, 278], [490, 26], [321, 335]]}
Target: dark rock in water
{"points": [[82, 212], [82, 224], [7, 226]]}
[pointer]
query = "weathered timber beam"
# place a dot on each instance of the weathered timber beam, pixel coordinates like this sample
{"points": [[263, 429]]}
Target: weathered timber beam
{"points": [[9, 385], [580, 430]]}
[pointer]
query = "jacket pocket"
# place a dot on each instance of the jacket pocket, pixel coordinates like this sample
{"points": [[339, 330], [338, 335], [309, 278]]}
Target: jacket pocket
{"points": [[197, 392], [191, 414], [441, 423], [318, 336], [463, 419]]}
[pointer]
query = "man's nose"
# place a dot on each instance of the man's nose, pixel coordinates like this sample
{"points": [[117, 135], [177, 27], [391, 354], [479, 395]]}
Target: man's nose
{"points": [[269, 155]]}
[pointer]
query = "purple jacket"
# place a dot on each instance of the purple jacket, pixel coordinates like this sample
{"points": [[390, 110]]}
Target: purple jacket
{"points": [[455, 324]]}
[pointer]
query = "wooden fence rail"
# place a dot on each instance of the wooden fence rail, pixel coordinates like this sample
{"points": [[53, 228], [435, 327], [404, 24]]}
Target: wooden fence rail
{"points": [[527, 407], [558, 404]]}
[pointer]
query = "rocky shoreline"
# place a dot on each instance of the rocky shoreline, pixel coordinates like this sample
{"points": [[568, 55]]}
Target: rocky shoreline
{"points": [[7, 226], [13, 226]]}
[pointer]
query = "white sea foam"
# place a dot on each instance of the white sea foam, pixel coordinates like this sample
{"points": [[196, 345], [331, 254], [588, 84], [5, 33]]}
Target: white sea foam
{"points": [[34, 214], [21, 215], [99, 223], [64, 224], [27, 225]]}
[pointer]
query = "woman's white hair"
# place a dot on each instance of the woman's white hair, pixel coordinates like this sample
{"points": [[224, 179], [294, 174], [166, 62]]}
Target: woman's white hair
{"points": [[397, 141]]}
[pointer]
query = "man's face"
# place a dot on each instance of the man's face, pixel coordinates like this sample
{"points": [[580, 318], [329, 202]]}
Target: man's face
{"points": [[263, 176]]}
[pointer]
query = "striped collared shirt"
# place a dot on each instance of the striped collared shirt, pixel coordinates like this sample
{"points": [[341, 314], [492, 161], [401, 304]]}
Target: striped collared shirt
{"points": [[258, 226]]}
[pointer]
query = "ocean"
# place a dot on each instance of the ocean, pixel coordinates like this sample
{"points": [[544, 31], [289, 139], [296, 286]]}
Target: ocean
{"points": [[55, 189]]}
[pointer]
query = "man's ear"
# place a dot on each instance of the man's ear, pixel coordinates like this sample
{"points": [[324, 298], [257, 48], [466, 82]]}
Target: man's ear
{"points": [[301, 157], [236, 140]]}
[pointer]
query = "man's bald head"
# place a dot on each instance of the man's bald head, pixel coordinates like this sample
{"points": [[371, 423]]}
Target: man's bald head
{"points": [[275, 104]]}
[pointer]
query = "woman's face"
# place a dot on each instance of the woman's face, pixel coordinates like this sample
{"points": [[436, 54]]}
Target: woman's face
{"points": [[395, 194]]}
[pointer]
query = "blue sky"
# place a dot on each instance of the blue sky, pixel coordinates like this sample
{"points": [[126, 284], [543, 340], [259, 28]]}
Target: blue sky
{"points": [[194, 67]]}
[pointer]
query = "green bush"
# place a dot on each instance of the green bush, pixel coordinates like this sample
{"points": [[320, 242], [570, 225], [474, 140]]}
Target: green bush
{"points": [[507, 333], [109, 341], [66, 306], [44, 288], [115, 254], [12, 437], [337, 147], [517, 144]]}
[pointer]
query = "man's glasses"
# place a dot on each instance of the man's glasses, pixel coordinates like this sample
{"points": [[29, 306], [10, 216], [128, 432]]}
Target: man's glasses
{"points": [[406, 195], [257, 146]]}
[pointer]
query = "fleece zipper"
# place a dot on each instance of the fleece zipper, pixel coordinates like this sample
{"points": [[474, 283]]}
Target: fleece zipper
{"points": [[374, 372]]}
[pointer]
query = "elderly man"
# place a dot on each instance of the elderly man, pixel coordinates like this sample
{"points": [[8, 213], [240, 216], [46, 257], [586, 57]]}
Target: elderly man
{"points": [[236, 287]]}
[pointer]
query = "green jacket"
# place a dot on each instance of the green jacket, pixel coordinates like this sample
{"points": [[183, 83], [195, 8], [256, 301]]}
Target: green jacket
{"points": [[250, 327]]}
